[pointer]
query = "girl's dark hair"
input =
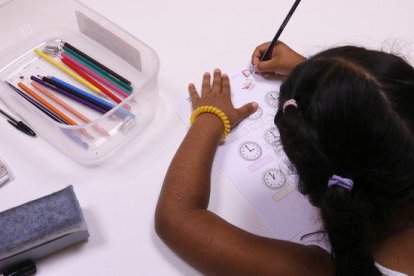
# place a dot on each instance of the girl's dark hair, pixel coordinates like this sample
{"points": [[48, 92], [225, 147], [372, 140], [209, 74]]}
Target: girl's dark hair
{"points": [[355, 119]]}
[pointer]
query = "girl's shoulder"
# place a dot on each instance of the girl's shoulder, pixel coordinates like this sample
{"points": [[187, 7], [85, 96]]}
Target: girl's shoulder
{"points": [[396, 251], [388, 272]]}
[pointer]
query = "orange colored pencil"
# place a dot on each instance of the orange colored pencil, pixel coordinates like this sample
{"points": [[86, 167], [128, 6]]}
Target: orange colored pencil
{"points": [[68, 107], [51, 107]]}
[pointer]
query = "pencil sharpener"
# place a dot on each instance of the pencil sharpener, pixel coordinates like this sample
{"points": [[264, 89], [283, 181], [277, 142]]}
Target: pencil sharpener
{"points": [[4, 173]]}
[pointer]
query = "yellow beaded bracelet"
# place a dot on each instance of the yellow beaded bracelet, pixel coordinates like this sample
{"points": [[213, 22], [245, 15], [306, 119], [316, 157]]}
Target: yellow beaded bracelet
{"points": [[215, 111]]}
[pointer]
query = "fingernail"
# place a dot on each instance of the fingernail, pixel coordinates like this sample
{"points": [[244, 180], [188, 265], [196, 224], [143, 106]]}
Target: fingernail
{"points": [[224, 75], [255, 106], [217, 70]]}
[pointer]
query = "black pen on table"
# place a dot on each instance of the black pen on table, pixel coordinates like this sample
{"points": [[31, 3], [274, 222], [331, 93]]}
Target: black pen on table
{"points": [[268, 53], [18, 124]]}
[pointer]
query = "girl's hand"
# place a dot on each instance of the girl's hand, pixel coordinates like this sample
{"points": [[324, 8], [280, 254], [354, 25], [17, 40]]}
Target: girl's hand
{"points": [[218, 95], [282, 62]]}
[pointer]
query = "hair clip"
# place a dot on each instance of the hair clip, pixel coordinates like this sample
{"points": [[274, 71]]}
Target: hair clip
{"points": [[4, 173], [288, 103], [340, 181]]}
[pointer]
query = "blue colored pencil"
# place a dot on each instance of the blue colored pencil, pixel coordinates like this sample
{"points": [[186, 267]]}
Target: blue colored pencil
{"points": [[83, 93], [73, 92], [69, 95], [122, 112]]}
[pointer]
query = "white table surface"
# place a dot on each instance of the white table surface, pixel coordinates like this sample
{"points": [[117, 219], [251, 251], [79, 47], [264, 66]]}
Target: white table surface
{"points": [[119, 197]]}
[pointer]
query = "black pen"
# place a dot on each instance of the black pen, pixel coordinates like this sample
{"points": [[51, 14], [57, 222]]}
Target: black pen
{"points": [[18, 124], [268, 53]]}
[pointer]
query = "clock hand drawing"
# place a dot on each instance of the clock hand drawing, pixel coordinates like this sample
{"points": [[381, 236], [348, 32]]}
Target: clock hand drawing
{"points": [[250, 151], [271, 98], [274, 179], [271, 136]]}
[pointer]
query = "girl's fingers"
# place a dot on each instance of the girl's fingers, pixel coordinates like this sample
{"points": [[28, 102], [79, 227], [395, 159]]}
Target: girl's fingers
{"points": [[258, 52], [267, 66], [206, 89], [193, 95], [193, 91], [225, 86], [247, 109], [217, 82]]}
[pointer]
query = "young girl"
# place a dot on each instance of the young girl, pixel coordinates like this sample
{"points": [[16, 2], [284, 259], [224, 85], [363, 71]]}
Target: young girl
{"points": [[346, 121]]}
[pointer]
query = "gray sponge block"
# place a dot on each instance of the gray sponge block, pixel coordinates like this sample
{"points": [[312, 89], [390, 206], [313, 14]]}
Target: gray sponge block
{"points": [[41, 227]]}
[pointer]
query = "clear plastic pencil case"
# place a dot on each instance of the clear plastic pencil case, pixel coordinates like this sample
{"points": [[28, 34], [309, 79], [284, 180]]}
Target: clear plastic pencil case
{"points": [[46, 24]]}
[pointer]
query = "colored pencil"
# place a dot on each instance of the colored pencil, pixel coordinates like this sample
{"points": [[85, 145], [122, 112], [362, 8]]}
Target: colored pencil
{"points": [[51, 115], [69, 95], [268, 53], [99, 71], [68, 108], [88, 78], [69, 133], [52, 108], [83, 94], [72, 74], [95, 75], [97, 63], [36, 104], [74, 92]]}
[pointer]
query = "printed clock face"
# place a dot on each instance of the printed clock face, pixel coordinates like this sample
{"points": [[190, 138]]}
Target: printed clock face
{"points": [[250, 151], [274, 179], [257, 114], [272, 136], [271, 98]]}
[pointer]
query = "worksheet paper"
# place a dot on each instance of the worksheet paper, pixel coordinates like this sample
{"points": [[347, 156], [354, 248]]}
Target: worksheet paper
{"points": [[253, 158]]}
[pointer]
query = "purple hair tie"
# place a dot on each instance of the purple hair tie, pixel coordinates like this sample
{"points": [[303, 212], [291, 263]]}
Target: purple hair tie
{"points": [[340, 181], [289, 102]]}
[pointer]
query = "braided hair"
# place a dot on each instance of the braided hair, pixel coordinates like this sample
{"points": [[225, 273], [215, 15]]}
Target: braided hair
{"points": [[354, 118]]}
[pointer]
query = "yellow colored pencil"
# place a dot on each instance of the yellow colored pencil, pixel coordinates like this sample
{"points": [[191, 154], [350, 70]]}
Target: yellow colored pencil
{"points": [[69, 72]]}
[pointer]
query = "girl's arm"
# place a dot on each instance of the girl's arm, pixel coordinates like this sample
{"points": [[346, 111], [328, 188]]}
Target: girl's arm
{"points": [[203, 239]]}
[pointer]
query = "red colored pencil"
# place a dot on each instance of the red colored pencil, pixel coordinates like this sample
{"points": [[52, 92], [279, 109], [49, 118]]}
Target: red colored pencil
{"points": [[88, 78]]}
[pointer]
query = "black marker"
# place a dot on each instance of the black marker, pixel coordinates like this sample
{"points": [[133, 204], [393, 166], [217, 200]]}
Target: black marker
{"points": [[18, 124], [22, 269], [267, 55]]}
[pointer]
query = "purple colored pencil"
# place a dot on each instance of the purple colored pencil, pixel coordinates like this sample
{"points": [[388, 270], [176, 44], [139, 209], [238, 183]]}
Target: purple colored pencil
{"points": [[69, 95]]}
